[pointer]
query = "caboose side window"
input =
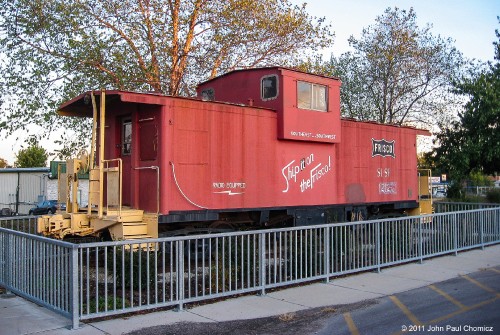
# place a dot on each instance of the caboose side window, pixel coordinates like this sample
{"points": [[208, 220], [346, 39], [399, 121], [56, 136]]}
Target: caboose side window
{"points": [[208, 94], [269, 87], [311, 96], [126, 136]]}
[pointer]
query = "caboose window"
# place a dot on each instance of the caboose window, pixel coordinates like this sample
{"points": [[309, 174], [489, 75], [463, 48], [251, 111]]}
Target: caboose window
{"points": [[269, 87], [208, 94], [126, 136], [311, 96]]}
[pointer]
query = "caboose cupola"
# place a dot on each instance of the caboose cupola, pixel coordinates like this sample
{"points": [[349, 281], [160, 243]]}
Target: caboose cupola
{"points": [[307, 105]]}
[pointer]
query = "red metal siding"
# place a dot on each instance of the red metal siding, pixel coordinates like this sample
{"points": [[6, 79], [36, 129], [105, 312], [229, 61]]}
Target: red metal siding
{"points": [[240, 87], [293, 122], [299, 124], [366, 177], [223, 156], [228, 157]]}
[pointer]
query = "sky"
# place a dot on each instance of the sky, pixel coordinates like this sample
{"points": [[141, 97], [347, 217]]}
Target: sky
{"points": [[470, 23]]}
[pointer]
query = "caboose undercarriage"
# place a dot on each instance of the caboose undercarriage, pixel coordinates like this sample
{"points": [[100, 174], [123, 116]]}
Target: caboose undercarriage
{"points": [[223, 220]]}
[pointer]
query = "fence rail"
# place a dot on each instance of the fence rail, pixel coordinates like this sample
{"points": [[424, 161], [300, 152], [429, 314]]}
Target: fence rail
{"points": [[26, 224], [38, 269], [84, 281], [445, 207]]}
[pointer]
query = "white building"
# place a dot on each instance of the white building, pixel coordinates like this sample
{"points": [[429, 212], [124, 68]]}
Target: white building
{"points": [[22, 188]]}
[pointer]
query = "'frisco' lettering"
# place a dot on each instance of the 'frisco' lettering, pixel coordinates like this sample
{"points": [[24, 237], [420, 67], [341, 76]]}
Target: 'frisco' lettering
{"points": [[383, 148]]}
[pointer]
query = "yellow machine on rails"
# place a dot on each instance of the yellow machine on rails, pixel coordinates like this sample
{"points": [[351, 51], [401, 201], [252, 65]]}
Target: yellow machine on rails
{"points": [[105, 177]]}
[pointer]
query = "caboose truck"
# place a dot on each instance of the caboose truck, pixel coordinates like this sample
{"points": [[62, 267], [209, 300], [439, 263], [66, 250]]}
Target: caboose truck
{"points": [[258, 147]]}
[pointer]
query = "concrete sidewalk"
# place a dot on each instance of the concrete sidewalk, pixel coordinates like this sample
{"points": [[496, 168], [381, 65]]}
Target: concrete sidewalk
{"points": [[18, 316]]}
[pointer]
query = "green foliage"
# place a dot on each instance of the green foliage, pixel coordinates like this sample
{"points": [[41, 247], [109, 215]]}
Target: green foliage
{"points": [[493, 195], [398, 72], [53, 50], [33, 156], [425, 161], [102, 305], [472, 143], [477, 178], [455, 191], [139, 268], [235, 260]]}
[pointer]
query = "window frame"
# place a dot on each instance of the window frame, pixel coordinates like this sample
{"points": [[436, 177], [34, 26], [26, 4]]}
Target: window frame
{"points": [[210, 96], [127, 121], [275, 76], [312, 96]]}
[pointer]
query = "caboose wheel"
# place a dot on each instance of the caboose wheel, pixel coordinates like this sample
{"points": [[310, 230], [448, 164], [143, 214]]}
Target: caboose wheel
{"points": [[223, 225]]}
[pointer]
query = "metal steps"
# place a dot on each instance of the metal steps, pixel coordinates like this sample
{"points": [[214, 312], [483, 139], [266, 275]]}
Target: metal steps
{"points": [[131, 224]]}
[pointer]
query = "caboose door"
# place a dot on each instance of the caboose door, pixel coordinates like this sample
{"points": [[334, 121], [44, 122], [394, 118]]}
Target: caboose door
{"points": [[147, 171]]}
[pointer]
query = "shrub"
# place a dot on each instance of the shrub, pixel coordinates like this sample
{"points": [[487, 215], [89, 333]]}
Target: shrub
{"points": [[455, 191], [135, 261], [493, 195]]}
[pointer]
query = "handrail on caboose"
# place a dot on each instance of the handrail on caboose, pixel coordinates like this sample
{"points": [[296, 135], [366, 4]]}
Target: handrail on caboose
{"points": [[110, 171]]}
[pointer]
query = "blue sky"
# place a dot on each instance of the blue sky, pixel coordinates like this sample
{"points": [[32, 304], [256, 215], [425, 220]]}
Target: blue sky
{"points": [[471, 23]]}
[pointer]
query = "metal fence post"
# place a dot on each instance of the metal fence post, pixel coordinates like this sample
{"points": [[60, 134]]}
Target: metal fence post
{"points": [[482, 216], [496, 223], [74, 293], [455, 234], [326, 249], [8, 265], [180, 275], [377, 245], [262, 267], [420, 241], [293, 257]]}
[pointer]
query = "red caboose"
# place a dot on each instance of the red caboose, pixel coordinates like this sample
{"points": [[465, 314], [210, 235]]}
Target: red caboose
{"points": [[265, 146]]}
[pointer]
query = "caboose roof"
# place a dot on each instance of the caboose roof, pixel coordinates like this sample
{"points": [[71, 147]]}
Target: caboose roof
{"points": [[81, 106], [283, 68], [419, 131]]}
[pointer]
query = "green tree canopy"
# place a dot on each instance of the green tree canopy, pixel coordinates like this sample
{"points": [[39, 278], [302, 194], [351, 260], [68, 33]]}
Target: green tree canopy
{"points": [[55, 49], [472, 143], [32, 156], [398, 72]]}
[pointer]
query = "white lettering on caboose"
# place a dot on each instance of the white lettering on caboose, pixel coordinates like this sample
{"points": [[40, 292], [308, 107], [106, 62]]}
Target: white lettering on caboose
{"points": [[292, 170], [383, 148]]}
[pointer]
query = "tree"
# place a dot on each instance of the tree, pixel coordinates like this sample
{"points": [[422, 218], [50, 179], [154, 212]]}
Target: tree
{"points": [[56, 49], [3, 163], [472, 143], [398, 73], [32, 156]]}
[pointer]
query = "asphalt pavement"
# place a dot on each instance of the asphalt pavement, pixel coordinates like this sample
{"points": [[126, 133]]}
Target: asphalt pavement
{"points": [[344, 304]]}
